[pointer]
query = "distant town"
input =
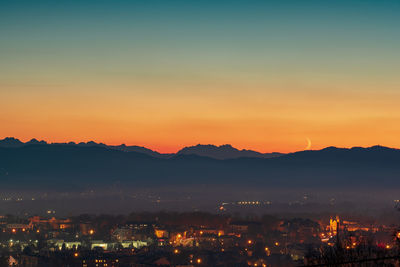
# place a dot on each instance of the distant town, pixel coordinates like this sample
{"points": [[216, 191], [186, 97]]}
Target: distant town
{"points": [[194, 239]]}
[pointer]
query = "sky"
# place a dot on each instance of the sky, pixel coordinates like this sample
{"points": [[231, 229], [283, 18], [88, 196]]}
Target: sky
{"points": [[261, 75]]}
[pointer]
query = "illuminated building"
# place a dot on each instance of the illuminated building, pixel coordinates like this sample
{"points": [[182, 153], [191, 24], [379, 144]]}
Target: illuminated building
{"points": [[334, 225], [160, 233], [52, 223]]}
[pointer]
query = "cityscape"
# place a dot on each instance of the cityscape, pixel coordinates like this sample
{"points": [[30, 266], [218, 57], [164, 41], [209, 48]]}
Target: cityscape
{"points": [[306, 231], [195, 239]]}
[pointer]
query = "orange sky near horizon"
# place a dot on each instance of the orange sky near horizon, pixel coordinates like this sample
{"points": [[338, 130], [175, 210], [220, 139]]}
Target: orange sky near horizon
{"points": [[267, 119]]}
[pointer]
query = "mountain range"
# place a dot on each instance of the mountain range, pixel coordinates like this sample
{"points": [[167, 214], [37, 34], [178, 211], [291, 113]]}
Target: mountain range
{"points": [[36, 164], [212, 151]]}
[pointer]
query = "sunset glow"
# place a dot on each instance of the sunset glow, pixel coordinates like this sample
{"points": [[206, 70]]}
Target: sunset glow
{"points": [[207, 73]]}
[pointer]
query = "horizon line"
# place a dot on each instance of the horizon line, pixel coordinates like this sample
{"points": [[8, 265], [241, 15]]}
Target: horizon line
{"points": [[199, 144]]}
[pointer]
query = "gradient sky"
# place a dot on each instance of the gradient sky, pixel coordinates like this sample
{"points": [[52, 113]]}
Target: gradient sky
{"points": [[261, 75]]}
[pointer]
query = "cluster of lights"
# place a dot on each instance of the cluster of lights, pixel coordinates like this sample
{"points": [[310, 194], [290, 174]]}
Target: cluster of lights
{"points": [[249, 202], [198, 261], [253, 202]]}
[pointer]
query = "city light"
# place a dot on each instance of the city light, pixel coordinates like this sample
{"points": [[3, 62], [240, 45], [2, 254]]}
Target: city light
{"points": [[123, 239]]}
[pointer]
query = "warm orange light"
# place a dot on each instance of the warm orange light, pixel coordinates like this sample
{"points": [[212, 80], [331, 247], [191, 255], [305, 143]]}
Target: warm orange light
{"points": [[249, 242], [13, 230], [176, 251], [198, 261], [179, 236], [159, 233], [276, 243], [91, 231], [76, 254], [387, 246]]}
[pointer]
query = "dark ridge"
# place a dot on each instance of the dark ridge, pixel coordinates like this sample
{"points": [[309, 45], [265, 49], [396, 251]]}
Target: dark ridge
{"points": [[75, 166]]}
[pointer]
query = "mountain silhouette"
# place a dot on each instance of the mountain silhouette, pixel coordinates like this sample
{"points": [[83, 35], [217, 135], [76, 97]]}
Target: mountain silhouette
{"points": [[217, 152], [11, 142], [66, 166], [224, 152]]}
